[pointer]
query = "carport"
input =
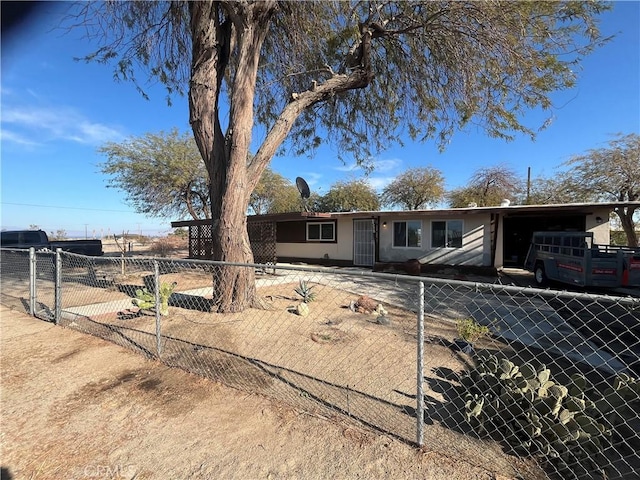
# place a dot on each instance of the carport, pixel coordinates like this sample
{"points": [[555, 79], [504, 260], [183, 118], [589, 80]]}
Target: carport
{"points": [[519, 222], [519, 228]]}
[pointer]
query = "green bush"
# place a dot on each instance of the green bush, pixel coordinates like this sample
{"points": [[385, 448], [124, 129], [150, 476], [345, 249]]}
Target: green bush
{"points": [[470, 330]]}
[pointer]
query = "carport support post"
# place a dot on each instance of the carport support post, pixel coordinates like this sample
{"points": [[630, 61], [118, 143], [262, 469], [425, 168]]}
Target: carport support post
{"points": [[32, 281], [156, 288], [420, 369], [57, 310]]}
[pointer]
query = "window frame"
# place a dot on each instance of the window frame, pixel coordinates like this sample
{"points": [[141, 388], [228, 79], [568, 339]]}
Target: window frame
{"points": [[406, 234], [320, 239], [447, 231]]}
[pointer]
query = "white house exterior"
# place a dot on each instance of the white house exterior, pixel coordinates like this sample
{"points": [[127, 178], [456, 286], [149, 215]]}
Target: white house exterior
{"points": [[476, 237], [480, 236]]}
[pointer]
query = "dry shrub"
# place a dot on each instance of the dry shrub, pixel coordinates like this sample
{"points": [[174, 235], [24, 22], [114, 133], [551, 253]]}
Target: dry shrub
{"points": [[166, 246]]}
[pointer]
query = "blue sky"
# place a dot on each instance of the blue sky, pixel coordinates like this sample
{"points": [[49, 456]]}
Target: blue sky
{"points": [[56, 112]]}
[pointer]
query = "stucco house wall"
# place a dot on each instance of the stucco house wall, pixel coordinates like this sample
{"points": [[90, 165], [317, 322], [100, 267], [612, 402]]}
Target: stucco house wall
{"points": [[476, 236], [342, 249], [598, 223], [475, 249]]}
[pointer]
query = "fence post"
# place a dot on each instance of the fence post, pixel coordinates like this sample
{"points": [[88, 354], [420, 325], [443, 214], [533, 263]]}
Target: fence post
{"points": [[57, 315], [32, 281], [156, 287], [420, 369]]}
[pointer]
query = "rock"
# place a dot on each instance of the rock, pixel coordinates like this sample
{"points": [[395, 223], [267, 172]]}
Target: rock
{"points": [[383, 320], [365, 304], [412, 267], [302, 309], [380, 310], [462, 346]]}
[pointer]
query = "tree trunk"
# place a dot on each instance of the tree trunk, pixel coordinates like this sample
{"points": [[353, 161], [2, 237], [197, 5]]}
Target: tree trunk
{"points": [[225, 156], [628, 225]]}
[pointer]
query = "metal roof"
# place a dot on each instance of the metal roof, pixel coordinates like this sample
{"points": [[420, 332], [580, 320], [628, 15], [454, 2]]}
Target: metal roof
{"points": [[561, 208]]}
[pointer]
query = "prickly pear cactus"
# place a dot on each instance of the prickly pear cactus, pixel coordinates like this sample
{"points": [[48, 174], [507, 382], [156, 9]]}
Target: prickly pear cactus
{"points": [[146, 300], [568, 424]]}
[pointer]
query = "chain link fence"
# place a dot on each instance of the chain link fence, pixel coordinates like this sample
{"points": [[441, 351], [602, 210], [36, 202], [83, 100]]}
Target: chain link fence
{"points": [[548, 387]]}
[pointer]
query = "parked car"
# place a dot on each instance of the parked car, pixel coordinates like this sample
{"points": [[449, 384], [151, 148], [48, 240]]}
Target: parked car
{"points": [[38, 239]]}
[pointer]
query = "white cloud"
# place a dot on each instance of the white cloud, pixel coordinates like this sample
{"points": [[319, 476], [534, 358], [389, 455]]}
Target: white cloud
{"points": [[312, 178], [378, 165], [386, 165], [55, 123], [347, 168], [98, 133], [378, 183], [12, 137]]}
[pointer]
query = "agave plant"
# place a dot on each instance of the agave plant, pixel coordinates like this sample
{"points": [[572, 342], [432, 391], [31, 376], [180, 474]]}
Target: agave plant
{"points": [[305, 292]]}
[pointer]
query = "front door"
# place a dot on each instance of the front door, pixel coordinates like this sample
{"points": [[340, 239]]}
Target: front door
{"points": [[363, 243]]}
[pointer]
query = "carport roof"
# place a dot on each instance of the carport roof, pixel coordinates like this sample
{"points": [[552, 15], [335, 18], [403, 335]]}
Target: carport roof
{"points": [[505, 210]]}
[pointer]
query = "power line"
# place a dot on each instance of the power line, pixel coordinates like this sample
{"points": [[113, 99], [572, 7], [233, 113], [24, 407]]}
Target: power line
{"points": [[65, 208]]}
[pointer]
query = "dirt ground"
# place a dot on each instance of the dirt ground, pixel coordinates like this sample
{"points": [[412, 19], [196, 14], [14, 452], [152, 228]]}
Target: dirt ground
{"points": [[76, 406]]}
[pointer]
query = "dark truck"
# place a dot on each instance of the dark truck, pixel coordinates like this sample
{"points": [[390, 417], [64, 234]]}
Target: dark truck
{"points": [[39, 240]]}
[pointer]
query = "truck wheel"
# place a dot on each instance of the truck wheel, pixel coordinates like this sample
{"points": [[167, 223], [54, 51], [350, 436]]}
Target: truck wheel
{"points": [[540, 275]]}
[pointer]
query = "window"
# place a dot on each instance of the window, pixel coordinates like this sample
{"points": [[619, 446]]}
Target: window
{"points": [[9, 238], [321, 232], [407, 234], [446, 234], [32, 237]]}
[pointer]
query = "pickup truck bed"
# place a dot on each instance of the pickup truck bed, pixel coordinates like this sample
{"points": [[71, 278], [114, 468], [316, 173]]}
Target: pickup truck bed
{"points": [[38, 239]]}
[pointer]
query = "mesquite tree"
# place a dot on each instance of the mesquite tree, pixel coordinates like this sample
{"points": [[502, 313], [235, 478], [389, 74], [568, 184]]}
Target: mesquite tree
{"points": [[415, 189], [360, 74], [161, 173], [274, 194], [487, 187], [350, 196], [611, 174]]}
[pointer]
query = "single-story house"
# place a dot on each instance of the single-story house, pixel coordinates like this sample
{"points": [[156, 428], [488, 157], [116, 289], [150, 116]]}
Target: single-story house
{"points": [[474, 236]]}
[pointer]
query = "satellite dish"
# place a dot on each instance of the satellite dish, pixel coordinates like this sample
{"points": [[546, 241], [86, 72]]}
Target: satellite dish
{"points": [[303, 187]]}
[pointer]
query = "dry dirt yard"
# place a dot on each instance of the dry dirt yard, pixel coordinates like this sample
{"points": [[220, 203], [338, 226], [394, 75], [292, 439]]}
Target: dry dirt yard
{"points": [[76, 406]]}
